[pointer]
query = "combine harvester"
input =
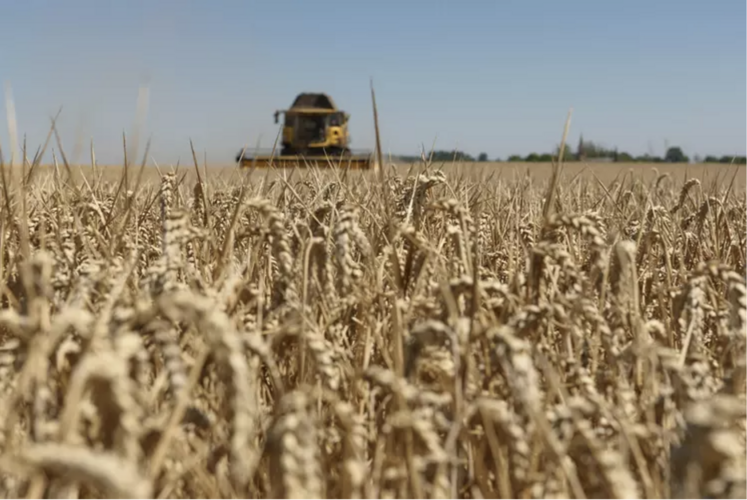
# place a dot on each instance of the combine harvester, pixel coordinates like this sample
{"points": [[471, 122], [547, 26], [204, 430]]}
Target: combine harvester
{"points": [[315, 133]]}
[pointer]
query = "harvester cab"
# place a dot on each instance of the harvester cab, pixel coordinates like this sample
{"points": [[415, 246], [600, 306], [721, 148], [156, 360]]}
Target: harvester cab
{"points": [[313, 130]]}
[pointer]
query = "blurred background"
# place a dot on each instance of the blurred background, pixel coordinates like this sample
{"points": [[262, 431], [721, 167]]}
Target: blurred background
{"points": [[484, 77]]}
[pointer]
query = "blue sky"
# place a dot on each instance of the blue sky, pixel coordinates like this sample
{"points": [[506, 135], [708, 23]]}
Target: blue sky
{"points": [[494, 75]]}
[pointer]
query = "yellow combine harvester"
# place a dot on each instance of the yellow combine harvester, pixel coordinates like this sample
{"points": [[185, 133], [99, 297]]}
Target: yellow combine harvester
{"points": [[314, 132]]}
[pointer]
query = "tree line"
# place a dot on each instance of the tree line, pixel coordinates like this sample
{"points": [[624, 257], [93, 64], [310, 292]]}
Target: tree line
{"points": [[585, 151]]}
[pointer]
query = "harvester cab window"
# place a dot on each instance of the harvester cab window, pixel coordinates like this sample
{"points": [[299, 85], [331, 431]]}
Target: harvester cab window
{"points": [[312, 128], [321, 130], [338, 119]]}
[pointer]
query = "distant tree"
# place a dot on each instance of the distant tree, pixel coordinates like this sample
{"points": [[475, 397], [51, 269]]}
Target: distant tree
{"points": [[567, 153], [647, 158], [675, 155], [625, 157], [739, 160], [592, 150], [448, 156]]}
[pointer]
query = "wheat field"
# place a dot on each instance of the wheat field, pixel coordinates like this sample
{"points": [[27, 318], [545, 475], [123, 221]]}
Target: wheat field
{"points": [[424, 333], [709, 174]]}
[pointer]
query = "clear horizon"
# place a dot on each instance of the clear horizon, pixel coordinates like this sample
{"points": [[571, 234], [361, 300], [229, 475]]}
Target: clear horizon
{"points": [[477, 76]]}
